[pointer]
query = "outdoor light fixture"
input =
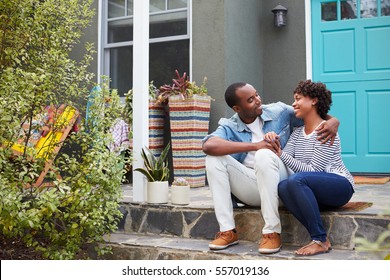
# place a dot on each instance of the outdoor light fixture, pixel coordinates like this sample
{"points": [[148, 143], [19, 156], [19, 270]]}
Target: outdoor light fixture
{"points": [[280, 16]]}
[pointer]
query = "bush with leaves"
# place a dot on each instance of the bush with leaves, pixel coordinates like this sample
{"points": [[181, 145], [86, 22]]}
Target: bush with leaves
{"points": [[36, 37], [380, 246], [128, 109]]}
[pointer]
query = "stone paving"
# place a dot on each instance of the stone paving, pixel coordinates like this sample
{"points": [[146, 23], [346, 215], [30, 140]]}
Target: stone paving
{"points": [[132, 246]]}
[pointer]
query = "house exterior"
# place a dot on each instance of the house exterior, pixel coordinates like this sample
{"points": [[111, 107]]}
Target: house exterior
{"points": [[344, 44]]}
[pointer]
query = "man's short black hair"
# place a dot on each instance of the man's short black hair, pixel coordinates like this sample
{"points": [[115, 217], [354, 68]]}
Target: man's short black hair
{"points": [[230, 93]]}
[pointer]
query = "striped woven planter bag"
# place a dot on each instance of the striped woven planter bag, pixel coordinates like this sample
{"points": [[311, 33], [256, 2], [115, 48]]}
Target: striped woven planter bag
{"points": [[156, 127], [189, 122]]}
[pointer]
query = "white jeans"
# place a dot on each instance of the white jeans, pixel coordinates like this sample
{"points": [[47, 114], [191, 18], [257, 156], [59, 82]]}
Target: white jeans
{"points": [[254, 187]]}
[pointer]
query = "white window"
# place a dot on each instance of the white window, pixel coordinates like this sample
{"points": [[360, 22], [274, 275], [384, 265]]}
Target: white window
{"points": [[169, 41]]}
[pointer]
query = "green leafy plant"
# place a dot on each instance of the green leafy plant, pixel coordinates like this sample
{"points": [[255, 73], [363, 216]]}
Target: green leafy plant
{"points": [[128, 109], [182, 86], [36, 70], [380, 246], [156, 168]]}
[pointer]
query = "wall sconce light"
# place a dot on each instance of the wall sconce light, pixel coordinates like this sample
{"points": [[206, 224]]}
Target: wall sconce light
{"points": [[280, 16]]}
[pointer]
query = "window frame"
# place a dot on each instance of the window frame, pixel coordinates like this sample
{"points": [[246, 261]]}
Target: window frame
{"points": [[105, 47], [358, 9]]}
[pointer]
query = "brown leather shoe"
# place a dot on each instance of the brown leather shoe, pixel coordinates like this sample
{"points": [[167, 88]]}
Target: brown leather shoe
{"points": [[223, 240], [270, 243]]}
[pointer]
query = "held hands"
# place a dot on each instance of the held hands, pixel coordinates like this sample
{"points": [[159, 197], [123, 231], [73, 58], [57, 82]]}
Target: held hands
{"points": [[272, 143]]}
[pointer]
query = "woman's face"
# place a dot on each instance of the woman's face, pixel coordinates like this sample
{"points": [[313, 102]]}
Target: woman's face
{"points": [[303, 105]]}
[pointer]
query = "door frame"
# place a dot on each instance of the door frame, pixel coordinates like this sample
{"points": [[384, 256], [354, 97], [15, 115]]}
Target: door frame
{"points": [[309, 43]]}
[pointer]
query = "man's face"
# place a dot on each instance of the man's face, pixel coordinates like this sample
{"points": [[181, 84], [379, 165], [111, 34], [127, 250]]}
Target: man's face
{"points": [[249, 106]]}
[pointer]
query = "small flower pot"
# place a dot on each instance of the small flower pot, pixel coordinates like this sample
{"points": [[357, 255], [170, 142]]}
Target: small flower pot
{"points": [[180, 195], [157, 192]]}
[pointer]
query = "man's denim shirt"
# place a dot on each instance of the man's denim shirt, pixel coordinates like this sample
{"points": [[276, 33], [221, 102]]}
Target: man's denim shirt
{"points": [[277, 117]]}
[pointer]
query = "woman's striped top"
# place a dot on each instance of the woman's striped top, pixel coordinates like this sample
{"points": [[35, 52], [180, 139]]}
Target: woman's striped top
{"points": [[304, 153]]}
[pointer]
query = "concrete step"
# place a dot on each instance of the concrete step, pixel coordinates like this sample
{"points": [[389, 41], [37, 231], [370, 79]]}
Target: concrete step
{"points": [[200, 223], [135, 246], [166, 231]]}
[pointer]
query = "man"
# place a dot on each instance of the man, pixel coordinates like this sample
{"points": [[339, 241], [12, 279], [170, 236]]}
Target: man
{"points": [[240, 162]]}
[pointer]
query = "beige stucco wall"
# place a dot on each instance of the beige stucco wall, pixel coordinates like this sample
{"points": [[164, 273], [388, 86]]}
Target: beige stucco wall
{"points": [[227, 39], [237, 41], [284, 51]]}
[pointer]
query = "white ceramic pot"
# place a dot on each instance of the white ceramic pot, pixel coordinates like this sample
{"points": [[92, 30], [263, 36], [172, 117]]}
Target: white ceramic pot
{"points": [[180, 195], [157, 192]]}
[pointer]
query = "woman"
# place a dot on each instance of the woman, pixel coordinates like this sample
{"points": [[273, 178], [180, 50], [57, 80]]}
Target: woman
{"points": [[320, 178]]}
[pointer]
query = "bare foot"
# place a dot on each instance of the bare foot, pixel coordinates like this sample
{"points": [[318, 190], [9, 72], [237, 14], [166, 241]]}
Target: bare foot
{"points": [[314, 247]]}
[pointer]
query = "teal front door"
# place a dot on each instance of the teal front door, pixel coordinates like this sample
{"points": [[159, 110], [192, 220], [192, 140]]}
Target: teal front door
{"points": [[351, 55]]}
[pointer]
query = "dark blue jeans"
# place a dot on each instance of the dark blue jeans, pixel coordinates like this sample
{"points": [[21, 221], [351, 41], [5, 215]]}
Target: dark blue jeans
{"points": [[305, 193]]}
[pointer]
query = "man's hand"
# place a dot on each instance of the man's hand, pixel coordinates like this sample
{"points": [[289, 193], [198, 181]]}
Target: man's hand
{"points": [[273, 143], [217, 146], [328, 131]]}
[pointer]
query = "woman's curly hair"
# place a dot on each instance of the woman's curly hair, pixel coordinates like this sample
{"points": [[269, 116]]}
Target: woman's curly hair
{"points": [[316, 90]]}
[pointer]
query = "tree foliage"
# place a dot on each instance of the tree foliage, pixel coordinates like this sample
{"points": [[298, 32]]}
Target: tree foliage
{"points": [[36, 38]]}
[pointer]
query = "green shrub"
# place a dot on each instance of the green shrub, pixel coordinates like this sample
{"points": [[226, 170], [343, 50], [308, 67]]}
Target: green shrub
{"points": [[36, 38], [380, 246]]}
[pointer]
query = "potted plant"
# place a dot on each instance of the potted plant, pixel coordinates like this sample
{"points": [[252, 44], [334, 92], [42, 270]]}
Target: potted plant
{"points": [[180, 191], [189, 113], [156, 172], [181, 87]]}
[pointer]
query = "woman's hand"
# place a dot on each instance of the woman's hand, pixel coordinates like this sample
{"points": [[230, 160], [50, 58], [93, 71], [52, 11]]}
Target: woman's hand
{"points": [[273, 143], [271, 137]]}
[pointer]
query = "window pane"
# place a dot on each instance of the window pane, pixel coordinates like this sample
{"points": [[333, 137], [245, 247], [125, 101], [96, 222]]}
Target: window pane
{"points": [[121, 69], [385, 7], [348, 9], [368, 8], [120, 30], [129, 7], [165, 58], [156, 5], [177, 4], [329, 11], [168, 24], [116, 8]]}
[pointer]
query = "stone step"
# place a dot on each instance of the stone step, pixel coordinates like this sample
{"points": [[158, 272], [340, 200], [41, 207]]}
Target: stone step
{"points": [[135, 246], [200, 223]]}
